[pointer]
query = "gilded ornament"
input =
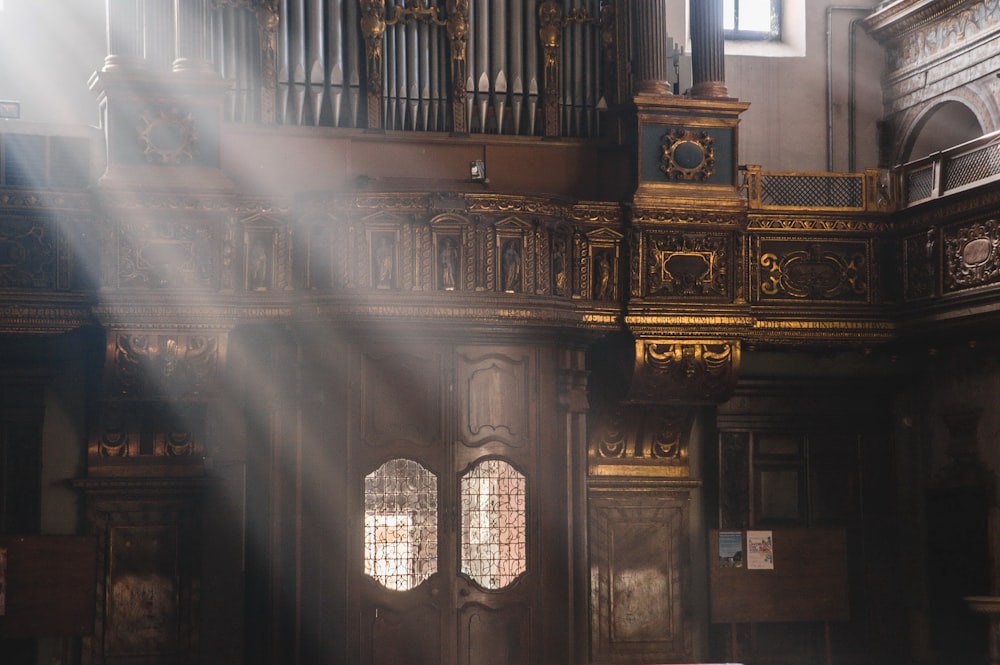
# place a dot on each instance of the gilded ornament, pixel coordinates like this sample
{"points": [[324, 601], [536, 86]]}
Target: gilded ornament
{"points": [[168, 137], [815, 271], [972, 255], [687, 154]]}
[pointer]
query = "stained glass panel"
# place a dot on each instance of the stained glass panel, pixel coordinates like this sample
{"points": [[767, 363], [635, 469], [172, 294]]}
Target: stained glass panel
{"points": [[494, 548], [401, 523]]}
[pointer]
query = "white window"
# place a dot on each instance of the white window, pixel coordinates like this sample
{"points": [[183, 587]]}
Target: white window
{"points": [[752, 19]]}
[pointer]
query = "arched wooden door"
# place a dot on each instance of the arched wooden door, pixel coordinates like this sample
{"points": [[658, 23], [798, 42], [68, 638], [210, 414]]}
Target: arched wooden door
{"points": [[444, 482]]}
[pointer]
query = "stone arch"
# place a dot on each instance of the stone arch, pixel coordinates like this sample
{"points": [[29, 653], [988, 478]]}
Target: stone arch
{"points": [[946, 121]]}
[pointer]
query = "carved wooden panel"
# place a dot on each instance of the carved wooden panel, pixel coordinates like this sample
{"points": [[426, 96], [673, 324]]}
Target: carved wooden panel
{"points": [[487, 636], [142, 593], [401, 398], [639, 566], [971, 255], [149, 572], [167, 253], [813, 270], [687, 265], [494, 392], [411, 635], [33, 254], [921, 270]]}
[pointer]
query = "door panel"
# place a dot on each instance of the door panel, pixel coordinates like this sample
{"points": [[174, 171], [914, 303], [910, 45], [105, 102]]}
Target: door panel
{"points": [[466, 419], [405, 636], [487, 636]]}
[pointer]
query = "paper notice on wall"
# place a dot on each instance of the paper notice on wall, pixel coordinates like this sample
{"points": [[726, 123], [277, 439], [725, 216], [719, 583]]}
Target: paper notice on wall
{"points": [[731, 549], [3, 581], [760, 550]]}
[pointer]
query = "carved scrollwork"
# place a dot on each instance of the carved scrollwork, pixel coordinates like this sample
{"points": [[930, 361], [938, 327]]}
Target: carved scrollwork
{"points": [[686, 154], [640, 436], [684, 371], [972, 255], [168, 137], [689, 265], [178, 365], [814, 271], [921, 265]]}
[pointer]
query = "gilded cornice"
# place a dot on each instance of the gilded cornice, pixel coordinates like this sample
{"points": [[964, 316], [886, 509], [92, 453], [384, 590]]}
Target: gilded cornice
{"points": [[673, 217], [42, 200], [217, 314], [492, 313], [904, 16], [42, 317], [867, 224]]}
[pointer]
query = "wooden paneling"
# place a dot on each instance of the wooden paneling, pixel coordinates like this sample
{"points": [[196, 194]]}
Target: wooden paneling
{"points": [[808, 583], [51, 582], [639, 570]]}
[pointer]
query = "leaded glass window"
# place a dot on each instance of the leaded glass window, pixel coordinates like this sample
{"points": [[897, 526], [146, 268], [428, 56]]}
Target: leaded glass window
{"points": [[401, 524], [494, 548]]}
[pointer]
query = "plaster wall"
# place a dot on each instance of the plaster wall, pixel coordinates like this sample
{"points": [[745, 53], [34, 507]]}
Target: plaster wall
{"points": [[798, 118]]}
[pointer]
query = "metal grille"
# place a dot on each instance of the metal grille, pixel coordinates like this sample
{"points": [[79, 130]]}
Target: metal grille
{"points": [[812, 191], [972, 166], [494, 549], [401, 517], [919, 184]]}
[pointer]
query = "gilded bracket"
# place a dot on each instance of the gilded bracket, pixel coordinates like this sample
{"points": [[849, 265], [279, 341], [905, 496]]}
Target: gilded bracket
{"points": [[684, 371]]}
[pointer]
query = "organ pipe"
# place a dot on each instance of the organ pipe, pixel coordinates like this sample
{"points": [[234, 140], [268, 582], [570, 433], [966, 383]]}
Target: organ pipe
{"points": [[426, 65]]}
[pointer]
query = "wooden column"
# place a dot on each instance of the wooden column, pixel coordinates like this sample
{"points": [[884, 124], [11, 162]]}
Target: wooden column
{"points": [[707, 49], [652, 55]]}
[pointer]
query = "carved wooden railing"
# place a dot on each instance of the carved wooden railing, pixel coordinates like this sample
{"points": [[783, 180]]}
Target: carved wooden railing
{"points": [[964, 166], [771, 190]]}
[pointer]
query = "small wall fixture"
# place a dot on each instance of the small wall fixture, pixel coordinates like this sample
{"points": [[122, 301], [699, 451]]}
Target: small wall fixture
{"points": [[10, 110], [477, 170]]}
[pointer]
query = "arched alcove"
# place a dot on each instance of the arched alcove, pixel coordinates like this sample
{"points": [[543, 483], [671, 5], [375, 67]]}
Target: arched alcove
{"points": [[947, 124]]}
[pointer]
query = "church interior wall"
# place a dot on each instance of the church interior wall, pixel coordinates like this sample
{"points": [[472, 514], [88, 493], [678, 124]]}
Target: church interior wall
{"points": [[902, 446]]}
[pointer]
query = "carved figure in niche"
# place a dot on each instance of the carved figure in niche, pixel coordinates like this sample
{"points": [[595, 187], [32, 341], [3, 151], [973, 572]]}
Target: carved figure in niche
{"points": [[372, 29], [383, 262], [602, 277], [560, 269], [448, 263], [511, 266], [258, 260]]}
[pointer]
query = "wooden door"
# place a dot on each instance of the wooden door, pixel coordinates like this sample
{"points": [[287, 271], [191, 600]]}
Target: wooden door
{"points": [[444, 548]]}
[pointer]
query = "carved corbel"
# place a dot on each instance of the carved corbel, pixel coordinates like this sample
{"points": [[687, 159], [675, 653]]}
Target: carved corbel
{"points": [[153, 411], [684, 371], [648, 433]]}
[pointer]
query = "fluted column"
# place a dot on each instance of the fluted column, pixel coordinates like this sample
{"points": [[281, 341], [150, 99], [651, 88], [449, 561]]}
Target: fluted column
{"points": [[191, 33], [124, 34], [708, 65], [653, 55]]}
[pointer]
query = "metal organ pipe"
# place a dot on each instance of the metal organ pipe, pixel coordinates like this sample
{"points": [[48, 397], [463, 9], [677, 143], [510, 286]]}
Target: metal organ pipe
{"points": [[333, 27], [531, 65], [352, 59], [320, 63], [516, 63], [498, 60], [412, 81], [314, 57]]}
